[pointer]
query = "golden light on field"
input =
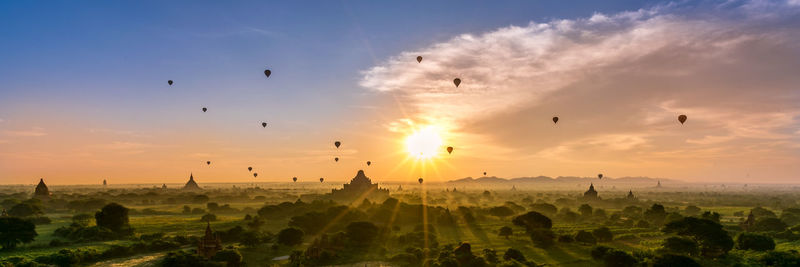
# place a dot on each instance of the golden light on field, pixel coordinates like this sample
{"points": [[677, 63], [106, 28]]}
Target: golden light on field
{"points": [[424, 143]]}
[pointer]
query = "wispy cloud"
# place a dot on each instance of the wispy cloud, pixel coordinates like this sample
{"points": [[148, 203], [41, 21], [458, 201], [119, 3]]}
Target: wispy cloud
{"points": [[620, 79], [33, 132]]}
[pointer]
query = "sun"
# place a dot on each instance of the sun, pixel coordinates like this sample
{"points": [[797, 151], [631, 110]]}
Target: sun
{"points": [[424, 143]]}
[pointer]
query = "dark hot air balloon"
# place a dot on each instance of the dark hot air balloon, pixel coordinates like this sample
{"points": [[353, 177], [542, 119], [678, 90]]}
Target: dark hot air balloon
{"points": [[369, 163], [449, 150], [419, 59], [457, 81], [336, 159], [169, 82], [337, 144], [294, 179], [419, 180], [321, 179], [249, 168], [255, 174], [205, 109], [267, 73], [208, 162], [264, 124], [484, 173], [555, 119], [682, 118], [599, 176]]}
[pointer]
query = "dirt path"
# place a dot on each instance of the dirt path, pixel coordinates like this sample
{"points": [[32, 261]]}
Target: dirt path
{"points": [[141, 260]]}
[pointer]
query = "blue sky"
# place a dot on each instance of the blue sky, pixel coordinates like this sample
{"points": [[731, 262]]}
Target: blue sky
{"points": [[73, 68]]}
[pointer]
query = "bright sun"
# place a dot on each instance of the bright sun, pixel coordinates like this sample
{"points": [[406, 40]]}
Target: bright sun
{"points": [[424, 143]]}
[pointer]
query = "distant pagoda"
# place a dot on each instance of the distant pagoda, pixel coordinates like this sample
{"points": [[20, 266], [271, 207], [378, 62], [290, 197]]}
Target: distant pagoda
{"points": [[105, 183], [41, 190], [191, 185], [630, 195], [360, 187], [208, 246], [590, 194], [164, 186]]}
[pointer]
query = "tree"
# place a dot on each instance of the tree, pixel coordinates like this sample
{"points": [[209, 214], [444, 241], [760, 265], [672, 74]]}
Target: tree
{"points": [[670, 260], [362, 233], [506, 231], [543, 238], [713, 216], [655, 214], [114, 217], [585, 238], [14, 231], [208, 217], [231, 257], [290, 236], [713, 240], [691, 210], [769, 225], [24, 209], [82, 219], [681, 245], [760, 212], [513, 254], [501, 211], [603, 234], [632, 212], [585, 210], [533, 220], [757, 242], [545, 208], [781, 258], [619, 258]]}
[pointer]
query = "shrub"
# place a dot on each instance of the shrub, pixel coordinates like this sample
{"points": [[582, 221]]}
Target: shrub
{"points": [[603, 234], [674, 260], [290, 236], [542, 238], [757, 242], [585, 238]]}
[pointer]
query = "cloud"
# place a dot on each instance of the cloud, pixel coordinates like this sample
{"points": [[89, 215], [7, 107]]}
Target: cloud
{"points": [[33, 132], [618, 81]]}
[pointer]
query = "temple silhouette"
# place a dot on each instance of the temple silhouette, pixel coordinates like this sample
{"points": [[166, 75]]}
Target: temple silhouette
{"points": [[191, 185], [360, 187], [41, 190], [590, 194], [208, 246]]}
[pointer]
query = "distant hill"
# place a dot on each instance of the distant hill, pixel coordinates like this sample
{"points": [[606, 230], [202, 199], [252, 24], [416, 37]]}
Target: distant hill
{"points": [[560, 179]]}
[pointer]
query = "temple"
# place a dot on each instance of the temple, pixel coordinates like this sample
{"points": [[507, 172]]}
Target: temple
{"points": [[630, 195], [191, 185], [590, 194], [360, 187], [209, 244], [41, 190]]}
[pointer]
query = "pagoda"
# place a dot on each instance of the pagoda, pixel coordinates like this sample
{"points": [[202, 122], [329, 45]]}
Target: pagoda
{"points": [[360, 187], [590, 194], [630, 195], [191, 185], [41, 190], [208, 246]]}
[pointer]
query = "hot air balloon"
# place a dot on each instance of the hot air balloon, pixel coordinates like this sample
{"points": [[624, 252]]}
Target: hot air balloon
{"points": [[457, 81], [369, 163], [555, 119], [264, 124], [336, 159], [682, 118], [255, 174], [599, 176], [449, 150], [321, 179], [208, 162], [249, 168], [484, 173], [337, 144], [420, 180], [169, 82], [294, 179], [419, 59], [268, 73], [205, 109]]}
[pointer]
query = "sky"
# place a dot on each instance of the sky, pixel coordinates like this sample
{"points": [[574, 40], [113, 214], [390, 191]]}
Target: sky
{"points": [[84, 94]]}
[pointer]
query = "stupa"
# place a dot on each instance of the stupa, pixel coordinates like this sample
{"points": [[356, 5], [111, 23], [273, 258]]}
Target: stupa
{"points": [[191, 185], [41, 190]]}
